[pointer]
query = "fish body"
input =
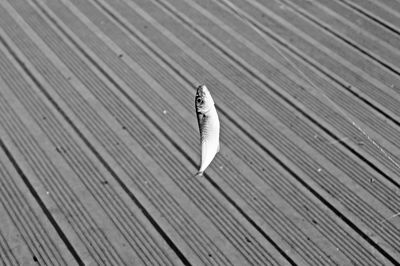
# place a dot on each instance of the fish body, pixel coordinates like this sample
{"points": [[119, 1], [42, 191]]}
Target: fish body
{"points": [[208, 121]]}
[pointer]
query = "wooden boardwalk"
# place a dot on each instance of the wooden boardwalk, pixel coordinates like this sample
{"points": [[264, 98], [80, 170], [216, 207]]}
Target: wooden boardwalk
{"points": [[99, 139]]}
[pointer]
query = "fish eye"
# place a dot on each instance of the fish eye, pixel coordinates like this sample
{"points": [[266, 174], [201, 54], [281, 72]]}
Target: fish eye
{"points": [[199, 100]]}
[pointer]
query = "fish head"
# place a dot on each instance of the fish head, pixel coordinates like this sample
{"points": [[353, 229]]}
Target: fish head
{"points": [[204, 101]]}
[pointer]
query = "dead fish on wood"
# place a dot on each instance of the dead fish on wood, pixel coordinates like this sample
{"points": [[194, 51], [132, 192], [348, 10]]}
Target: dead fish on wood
{"points": [[207, 118]]}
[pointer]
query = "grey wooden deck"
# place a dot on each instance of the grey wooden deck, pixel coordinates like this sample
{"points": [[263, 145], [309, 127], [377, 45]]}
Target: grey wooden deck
{"points": [[99, 139]]}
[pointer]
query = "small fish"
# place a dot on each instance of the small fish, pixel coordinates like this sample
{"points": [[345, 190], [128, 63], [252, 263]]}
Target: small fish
{"points": [[207, 118]]}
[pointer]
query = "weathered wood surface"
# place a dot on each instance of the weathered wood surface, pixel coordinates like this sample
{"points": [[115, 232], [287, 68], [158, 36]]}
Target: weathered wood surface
{"points": [[99, 139]]}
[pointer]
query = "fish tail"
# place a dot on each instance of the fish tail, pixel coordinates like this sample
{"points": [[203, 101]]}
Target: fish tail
{"points": [[199, 174]]}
